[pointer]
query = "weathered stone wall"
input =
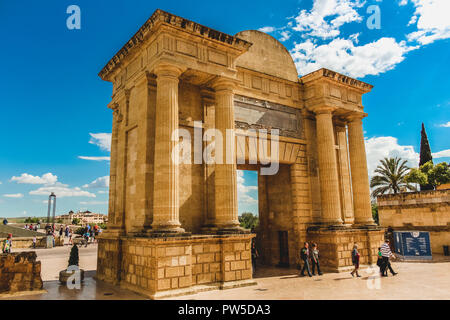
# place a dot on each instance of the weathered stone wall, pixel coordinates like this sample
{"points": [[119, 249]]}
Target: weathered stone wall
{"points": [[19, 272], [26, 242], [425, 208], [335, 246], [153, 266], [425, 211]]}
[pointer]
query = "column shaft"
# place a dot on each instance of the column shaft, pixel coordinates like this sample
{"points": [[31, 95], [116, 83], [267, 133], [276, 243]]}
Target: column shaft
{"points": [[113, 171], [226, 213], [166, 180], [344, 175], [360, 177], [328, 174]]}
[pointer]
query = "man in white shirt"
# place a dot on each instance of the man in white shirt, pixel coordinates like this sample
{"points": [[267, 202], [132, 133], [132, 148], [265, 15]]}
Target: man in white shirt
{"points": [[386, 253]]}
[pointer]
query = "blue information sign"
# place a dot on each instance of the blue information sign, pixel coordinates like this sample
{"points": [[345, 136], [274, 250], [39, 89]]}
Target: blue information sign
{"points": [[413, 245]]}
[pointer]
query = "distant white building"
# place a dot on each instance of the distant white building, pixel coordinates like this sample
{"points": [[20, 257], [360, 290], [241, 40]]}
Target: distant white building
{"points": [[85, 217]]}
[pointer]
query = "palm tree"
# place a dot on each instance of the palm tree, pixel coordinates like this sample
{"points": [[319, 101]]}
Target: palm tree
{"points": [[391, 177]]}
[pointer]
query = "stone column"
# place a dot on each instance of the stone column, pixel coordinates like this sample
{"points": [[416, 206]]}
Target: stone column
{"points": [[113, 219], [358, 167], [166, 183], [225, 183], [344, 174], [328, 171]]}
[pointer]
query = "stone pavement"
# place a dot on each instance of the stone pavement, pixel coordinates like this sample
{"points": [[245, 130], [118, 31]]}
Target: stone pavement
{"points": [[414, 281], [429, 281]]}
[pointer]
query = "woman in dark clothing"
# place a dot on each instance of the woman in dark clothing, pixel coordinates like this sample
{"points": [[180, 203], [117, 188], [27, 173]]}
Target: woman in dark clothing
{"points": [[355, 260], [254, 256]]}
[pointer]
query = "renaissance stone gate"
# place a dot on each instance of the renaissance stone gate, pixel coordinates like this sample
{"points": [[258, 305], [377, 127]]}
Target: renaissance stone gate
{"points": [[173, 227]]}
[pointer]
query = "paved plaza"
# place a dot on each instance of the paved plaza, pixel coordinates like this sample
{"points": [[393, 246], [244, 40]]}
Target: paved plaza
{"points": [[416, 280]]}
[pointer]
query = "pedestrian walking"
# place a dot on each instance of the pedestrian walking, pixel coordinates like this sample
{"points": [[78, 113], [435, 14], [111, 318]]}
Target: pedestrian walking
{"points": [[34, 242], [6, 248], [386, 254], [355, 260], [255, 255], [315, 260], [379, 259], [305, 256], [70, 237]]}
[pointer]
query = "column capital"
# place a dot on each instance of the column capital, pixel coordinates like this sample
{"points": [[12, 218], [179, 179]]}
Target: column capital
{"points": [[167, 70], [145, 78], [323, 109], [224, 84], [355, 116]]}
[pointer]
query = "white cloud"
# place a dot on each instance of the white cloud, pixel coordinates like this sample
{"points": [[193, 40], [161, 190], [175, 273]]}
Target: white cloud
{"points": [[445, 125], [378, 148], [102, 182], [103, 140], [103, 191], [62, 191], [14, 195], [432, 21], [285, 35], [94, 158], [442, 154], [342, 55], [326, 17], [93, 203], [243, 190], [267, 29], [48, 179]]}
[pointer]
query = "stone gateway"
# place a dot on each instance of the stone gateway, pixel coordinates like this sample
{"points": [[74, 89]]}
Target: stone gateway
{"points": [[172, 226]]}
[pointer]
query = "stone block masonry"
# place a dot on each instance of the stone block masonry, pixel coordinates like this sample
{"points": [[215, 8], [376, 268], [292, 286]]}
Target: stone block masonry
{"points": [[19, 272], [160, 267], [335, 247]]}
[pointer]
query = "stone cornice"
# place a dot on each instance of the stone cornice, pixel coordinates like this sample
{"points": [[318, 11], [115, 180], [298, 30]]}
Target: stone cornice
{"points": [[336, 77], [162, 17]]}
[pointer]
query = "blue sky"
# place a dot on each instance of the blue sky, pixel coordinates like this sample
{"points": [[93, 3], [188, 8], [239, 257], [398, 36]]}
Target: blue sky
{"points": [[55, 125]]}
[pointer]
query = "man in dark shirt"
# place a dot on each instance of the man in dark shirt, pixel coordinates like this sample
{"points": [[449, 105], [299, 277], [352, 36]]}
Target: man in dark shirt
{"points": [[304, 255]]}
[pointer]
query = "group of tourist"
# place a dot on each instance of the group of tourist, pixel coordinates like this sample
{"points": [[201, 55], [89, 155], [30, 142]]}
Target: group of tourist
{"points": [[310, 259], [31, 227], [90, 233]]}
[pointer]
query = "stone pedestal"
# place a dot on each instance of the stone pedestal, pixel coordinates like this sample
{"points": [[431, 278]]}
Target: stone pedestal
{"points": [[171, 266], [20, 272], [335, 246]]}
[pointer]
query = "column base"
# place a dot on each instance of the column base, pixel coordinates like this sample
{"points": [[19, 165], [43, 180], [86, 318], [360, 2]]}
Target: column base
{"points": [[213, 229], [113, 232], [164, 233], [367, 226]]}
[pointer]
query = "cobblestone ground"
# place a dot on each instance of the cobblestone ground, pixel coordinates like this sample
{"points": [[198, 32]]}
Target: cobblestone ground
{"points": [[414, 281]]}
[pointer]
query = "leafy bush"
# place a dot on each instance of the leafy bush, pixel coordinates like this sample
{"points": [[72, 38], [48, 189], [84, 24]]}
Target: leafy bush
{"points": [[248, 220], [434, 175]]}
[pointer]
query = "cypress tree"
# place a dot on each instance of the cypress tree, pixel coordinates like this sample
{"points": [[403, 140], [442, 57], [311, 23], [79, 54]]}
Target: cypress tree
{"points": [[73, 258], [425, 154]]}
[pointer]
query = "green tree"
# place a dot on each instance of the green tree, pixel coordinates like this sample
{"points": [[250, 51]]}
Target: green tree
{"points": [[433, 175], [391, 177], [248, 220], [425, 155], [375, 212], [76, 221]]}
